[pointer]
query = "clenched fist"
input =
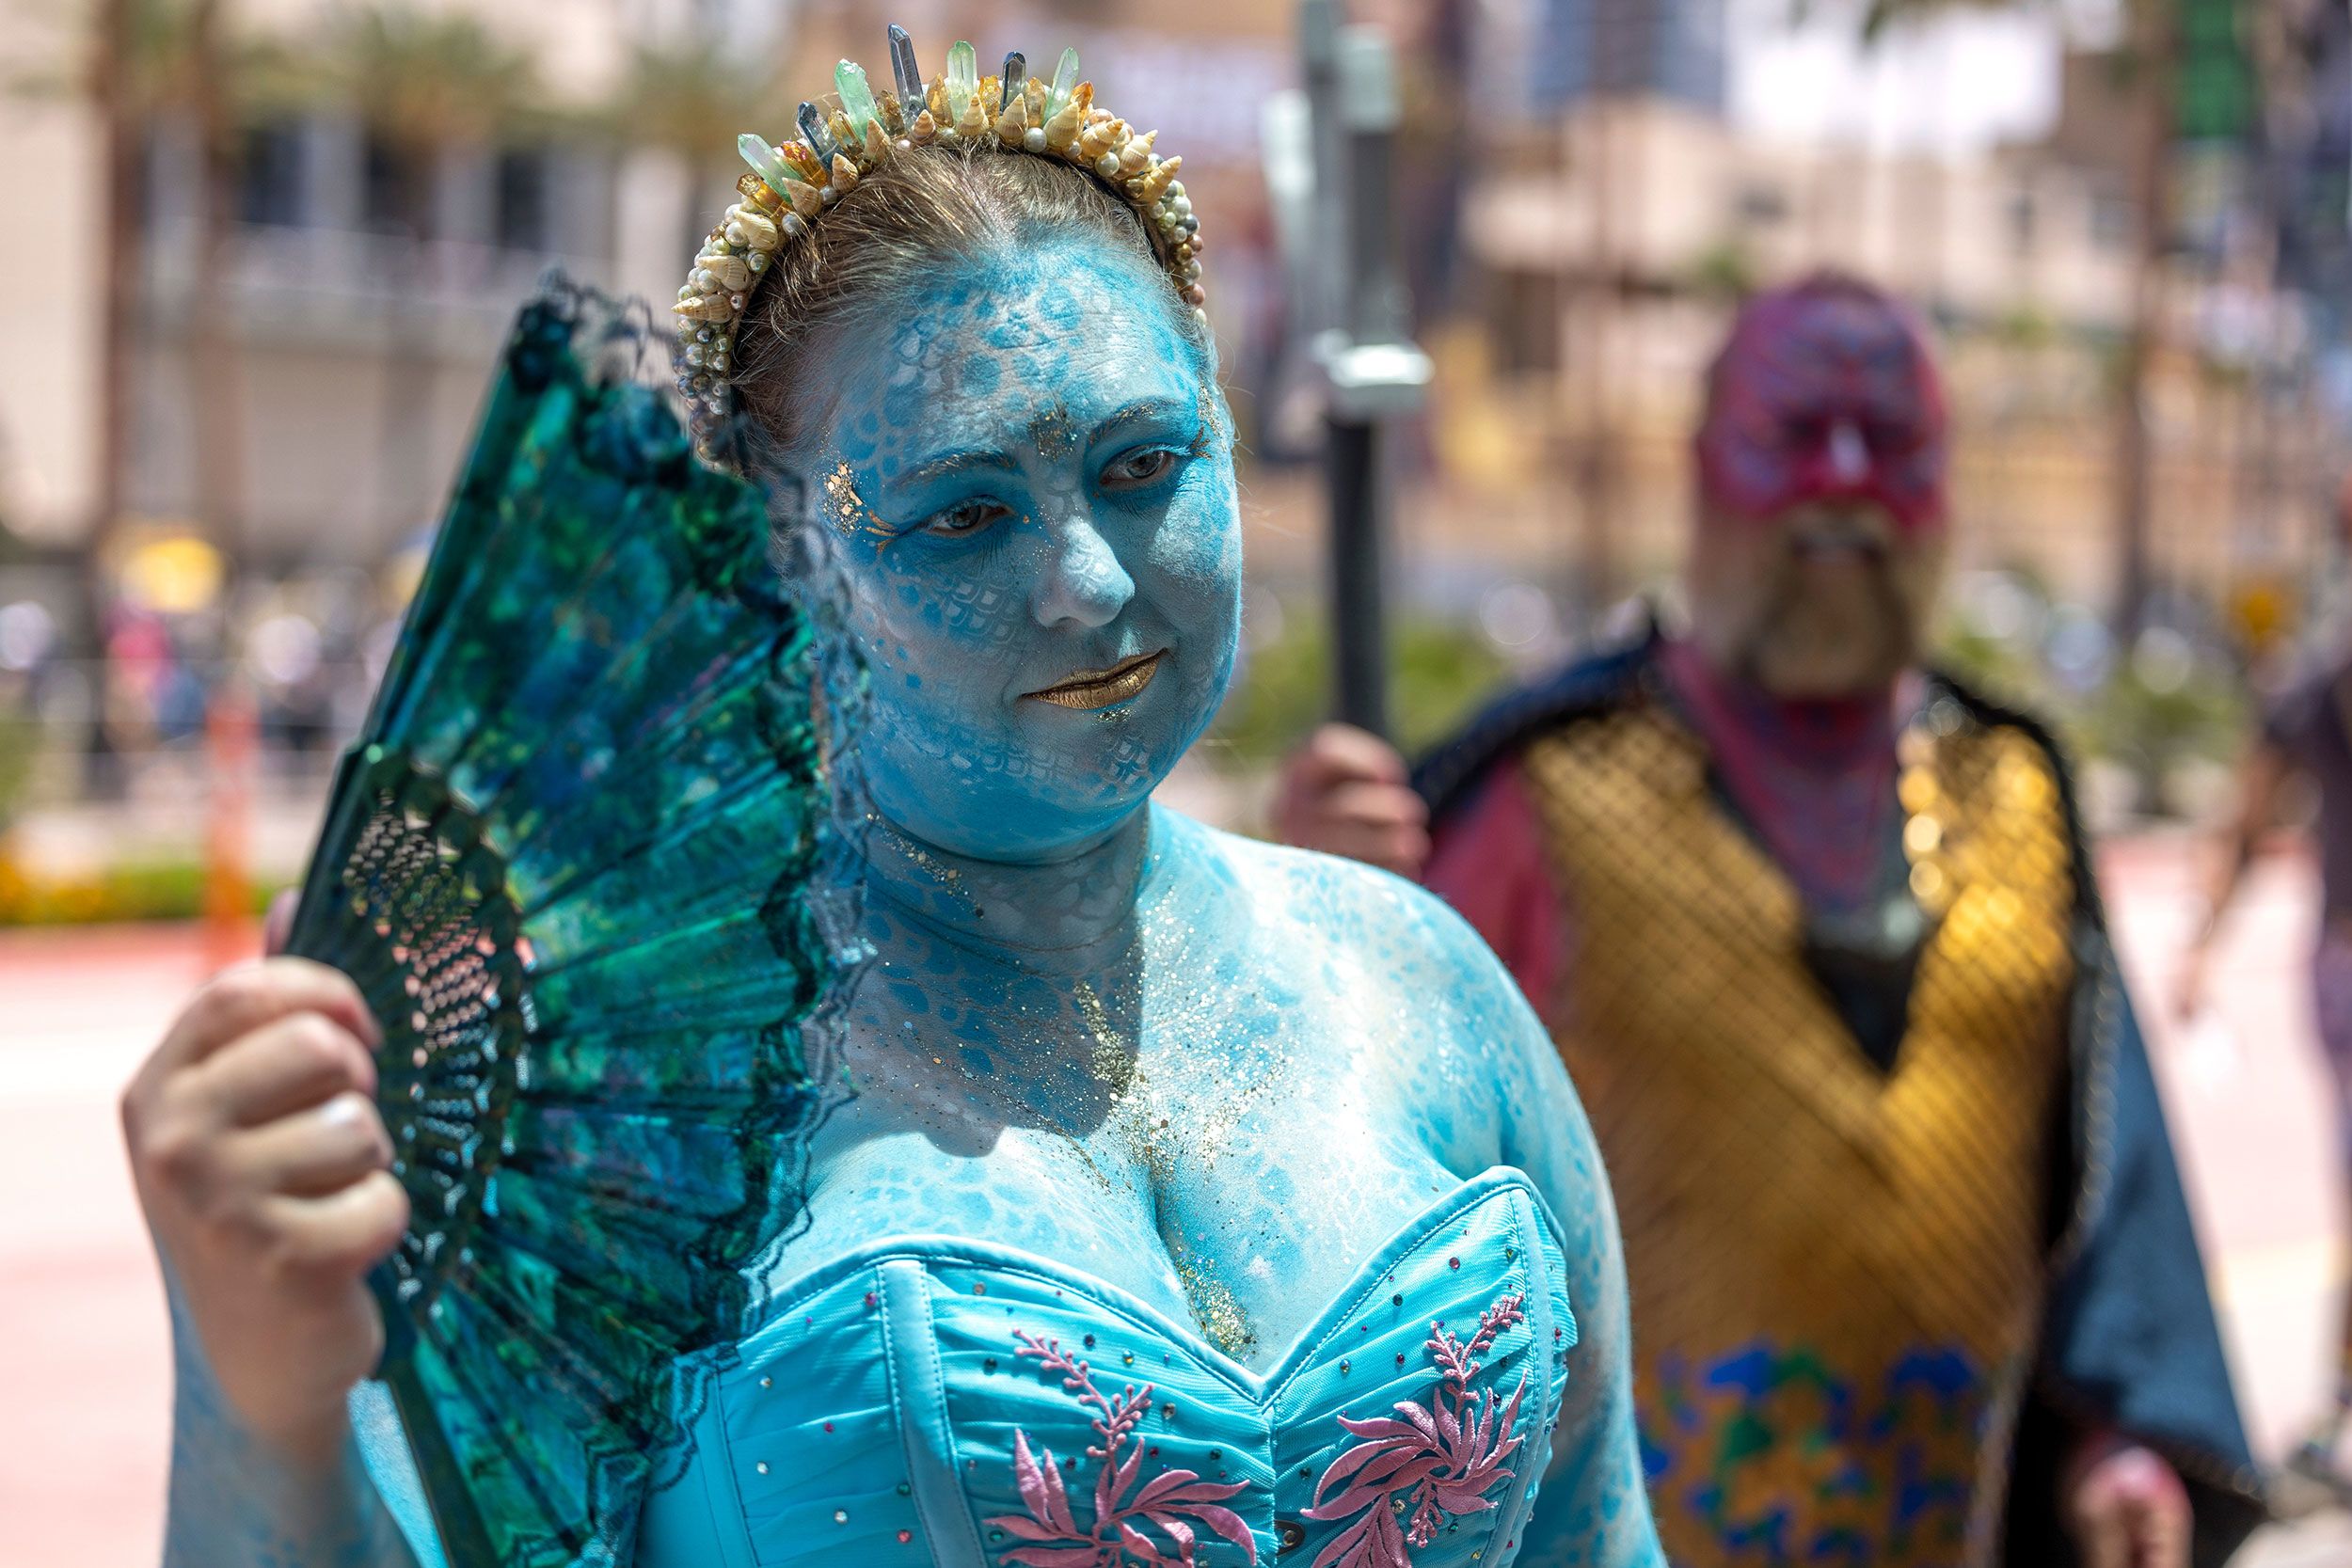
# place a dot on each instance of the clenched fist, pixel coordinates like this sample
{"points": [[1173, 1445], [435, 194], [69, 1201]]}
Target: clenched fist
{"points": [[261, 1164], [1345, 792], [2125, 1507]]}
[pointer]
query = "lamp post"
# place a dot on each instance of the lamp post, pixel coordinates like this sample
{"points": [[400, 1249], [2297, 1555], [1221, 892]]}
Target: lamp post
{"points": [[1352, 291]]}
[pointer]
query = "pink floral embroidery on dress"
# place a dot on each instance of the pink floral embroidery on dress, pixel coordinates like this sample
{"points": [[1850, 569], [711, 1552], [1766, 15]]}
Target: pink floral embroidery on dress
{"points": [[1177, 1503], [1409, 1475]]}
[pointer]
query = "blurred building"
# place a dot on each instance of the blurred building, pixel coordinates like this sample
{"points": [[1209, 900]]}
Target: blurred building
{"points": [[1608, 245], [1577, 50], [1581, 214], [304, 398]]}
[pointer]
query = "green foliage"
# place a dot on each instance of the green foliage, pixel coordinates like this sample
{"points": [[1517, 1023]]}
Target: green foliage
{"points": [[1725, 271], [423, 80], [144, 890], [695, 97], [2008, 670], [2025, 327], [1881, 16], [20, 746], [2151, 726], [1439, 673], [2168, 702]]}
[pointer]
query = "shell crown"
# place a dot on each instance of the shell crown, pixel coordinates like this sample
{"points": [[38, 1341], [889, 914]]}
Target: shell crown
{"points": [[791, 186]]}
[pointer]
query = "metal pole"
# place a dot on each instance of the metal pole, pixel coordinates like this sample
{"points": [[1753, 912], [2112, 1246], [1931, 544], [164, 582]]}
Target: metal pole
{"points": [[1359, 638], [1373, 370]]}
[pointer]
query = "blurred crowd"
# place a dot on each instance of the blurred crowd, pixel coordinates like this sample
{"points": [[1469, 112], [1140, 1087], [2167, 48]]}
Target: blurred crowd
{"points": [[323, 214]]}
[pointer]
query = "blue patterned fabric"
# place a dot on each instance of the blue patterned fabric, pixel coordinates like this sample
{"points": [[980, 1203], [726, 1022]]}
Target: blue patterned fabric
{"points": [[880, 1414]]}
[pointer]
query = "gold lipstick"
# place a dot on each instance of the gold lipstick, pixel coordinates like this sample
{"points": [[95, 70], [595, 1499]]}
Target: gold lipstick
{"points": [[1092, 689]]}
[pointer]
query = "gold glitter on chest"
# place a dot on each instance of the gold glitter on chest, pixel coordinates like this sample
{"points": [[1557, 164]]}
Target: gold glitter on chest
{"points": [[1172, 1128], [1216, 1309]]}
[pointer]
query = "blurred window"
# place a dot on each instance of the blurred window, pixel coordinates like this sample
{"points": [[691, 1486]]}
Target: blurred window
{"points": [[269, 176], [1761, 206], [397, 192], [2022, 215], [2112, 221], [1523, 322], [525, 215]]}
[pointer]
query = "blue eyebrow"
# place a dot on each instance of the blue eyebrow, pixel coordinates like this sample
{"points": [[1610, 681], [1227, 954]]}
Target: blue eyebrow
{"points": [[1136, 413], [953, 463], [949, 464]]}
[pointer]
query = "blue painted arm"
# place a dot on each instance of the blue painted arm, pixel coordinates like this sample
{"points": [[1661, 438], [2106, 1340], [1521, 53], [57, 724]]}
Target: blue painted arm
{"points": [[1592, 1505], [1592, 1509], [235, 1504]]}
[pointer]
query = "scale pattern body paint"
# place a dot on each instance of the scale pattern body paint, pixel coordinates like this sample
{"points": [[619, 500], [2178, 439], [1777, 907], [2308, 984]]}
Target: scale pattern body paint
{"points": [[1139, 1070], [1261, 1116]]}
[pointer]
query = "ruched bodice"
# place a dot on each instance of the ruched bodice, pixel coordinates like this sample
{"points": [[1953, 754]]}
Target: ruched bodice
{"points": [[930, 1400]]}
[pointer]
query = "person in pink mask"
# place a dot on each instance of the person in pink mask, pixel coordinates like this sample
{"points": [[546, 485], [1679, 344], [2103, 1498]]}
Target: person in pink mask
{"points": [[1814, 928]]}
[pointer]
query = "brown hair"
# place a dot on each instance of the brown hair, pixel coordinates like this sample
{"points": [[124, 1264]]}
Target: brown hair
{"points": [[916, 208]]}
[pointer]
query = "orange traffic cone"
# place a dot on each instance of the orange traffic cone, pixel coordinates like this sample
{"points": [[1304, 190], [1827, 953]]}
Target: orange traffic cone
{"points": [[228, 748]]}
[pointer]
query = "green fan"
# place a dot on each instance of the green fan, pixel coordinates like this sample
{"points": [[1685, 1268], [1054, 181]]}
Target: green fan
{"points": [[586, 863]]}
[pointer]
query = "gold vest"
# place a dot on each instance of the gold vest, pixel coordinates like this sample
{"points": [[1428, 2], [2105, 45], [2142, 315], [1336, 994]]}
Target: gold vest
{"points": [[1837, 1274]]}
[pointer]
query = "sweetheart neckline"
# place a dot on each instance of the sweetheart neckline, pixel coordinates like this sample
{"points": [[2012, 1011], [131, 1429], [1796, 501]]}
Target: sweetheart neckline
{"points": [[1401, 1242]]}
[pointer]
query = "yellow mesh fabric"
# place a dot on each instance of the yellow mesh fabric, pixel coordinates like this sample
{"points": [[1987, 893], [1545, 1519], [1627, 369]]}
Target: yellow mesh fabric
{"points": [[1836, 1272]]}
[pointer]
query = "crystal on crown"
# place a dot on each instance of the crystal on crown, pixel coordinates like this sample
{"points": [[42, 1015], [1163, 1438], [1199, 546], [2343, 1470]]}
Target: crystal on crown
{"points": [[791, 186]]}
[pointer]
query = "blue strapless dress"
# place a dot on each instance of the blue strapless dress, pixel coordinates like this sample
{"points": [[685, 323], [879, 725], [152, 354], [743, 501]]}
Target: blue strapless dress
{"points": [[929, 1402]]}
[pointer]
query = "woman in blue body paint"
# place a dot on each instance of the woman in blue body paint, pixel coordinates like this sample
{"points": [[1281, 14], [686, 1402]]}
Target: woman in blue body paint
{"points": [[1201, 1201]]}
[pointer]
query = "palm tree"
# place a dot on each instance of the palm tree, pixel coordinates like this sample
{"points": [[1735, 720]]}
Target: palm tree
{"points": [[691, 99], [214, 402], [151, 58], [2149, 63], [422, 85], [115, 88], [696, 96], [2147, 67]]}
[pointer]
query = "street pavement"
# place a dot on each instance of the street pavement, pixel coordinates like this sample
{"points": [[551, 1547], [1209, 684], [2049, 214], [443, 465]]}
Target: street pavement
{"points": [[85, 1364]]}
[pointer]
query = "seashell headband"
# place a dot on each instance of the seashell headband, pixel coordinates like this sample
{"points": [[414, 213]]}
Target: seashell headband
{"points": [[790, 187]]}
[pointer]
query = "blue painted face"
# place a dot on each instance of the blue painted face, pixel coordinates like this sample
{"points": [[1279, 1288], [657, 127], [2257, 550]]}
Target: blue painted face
{"points": [[1028, 470]]}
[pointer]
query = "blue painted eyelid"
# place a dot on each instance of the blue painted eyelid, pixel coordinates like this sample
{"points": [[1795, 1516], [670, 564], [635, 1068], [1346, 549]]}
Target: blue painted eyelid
{"points": [[1124, 495], [1183, 452]]}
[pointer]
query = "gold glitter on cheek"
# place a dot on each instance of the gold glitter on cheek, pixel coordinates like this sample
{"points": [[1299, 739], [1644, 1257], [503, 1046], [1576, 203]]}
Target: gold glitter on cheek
{"points": [[846, 508], [841, 498]]}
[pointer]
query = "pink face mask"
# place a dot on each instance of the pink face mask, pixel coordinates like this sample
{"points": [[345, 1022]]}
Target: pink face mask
{"points": [[1825, 392]]}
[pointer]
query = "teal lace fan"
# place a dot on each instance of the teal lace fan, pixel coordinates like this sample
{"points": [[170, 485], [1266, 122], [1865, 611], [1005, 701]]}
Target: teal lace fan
{"points": [[584, 861]]}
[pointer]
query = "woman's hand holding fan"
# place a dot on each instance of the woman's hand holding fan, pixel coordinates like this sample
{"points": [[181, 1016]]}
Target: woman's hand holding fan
{"points": [[512, 1131], [263, 1168]]}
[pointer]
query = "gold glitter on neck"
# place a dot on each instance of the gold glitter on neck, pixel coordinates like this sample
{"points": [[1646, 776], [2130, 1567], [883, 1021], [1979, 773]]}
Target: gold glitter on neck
{"points": [[945, 876]]}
